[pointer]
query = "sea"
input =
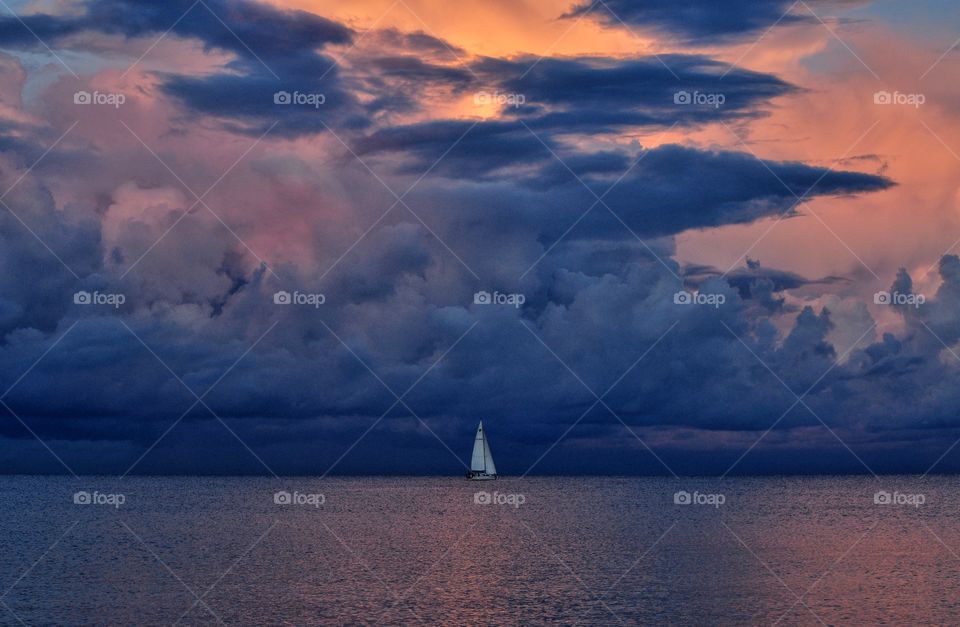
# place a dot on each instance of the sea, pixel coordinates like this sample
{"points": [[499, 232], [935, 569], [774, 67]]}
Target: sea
{"points": [[443, 550]]}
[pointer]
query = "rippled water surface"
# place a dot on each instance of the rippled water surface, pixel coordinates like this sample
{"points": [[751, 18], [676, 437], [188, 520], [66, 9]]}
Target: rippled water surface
{"points": [[422, 550]]}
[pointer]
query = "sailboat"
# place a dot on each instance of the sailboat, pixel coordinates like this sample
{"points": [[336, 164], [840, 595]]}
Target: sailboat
{"points": [[481, 463]]}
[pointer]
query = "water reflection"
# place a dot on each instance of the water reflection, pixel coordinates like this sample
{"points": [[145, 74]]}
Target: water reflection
{"points": [[409, 551]]}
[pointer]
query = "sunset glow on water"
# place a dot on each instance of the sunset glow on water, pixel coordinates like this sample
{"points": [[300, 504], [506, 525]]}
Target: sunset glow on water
{"points": [[533, 312]]}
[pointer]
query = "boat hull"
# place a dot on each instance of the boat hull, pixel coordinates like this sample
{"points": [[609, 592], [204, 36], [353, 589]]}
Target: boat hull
{"points": [[479, 475]]}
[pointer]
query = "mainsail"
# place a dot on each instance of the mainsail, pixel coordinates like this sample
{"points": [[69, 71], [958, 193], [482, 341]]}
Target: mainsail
{"points": [[482, 458]]}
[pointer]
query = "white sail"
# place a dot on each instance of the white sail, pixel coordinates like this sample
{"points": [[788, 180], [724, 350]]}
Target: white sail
{"points": [[480, 447], [488, 457]]}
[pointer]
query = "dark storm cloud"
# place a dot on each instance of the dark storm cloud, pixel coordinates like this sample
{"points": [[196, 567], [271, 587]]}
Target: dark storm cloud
{"points": [[281, 50], [482, 148], [699, 20], [597, 94], [418, 42], [94, 382], [757, 283], [674, 188], [276, 50], [268, 31], [669, 189], [415, 69], [108, 387]]}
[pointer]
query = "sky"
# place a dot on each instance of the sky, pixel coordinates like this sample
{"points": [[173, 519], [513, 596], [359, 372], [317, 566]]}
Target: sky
{"points": [[632, 237]]}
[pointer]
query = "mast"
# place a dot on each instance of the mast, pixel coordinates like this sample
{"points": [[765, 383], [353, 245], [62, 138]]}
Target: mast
{"points": [[480, 448]]}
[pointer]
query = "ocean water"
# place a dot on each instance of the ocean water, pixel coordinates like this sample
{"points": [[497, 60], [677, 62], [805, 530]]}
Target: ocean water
{"points": [[402, 551]]}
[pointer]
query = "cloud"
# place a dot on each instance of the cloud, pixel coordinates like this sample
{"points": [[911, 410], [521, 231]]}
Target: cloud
{"points": [[584, 94], [501, 210], [696, 20], [273, 50], [759, 284], [240, 27]]}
